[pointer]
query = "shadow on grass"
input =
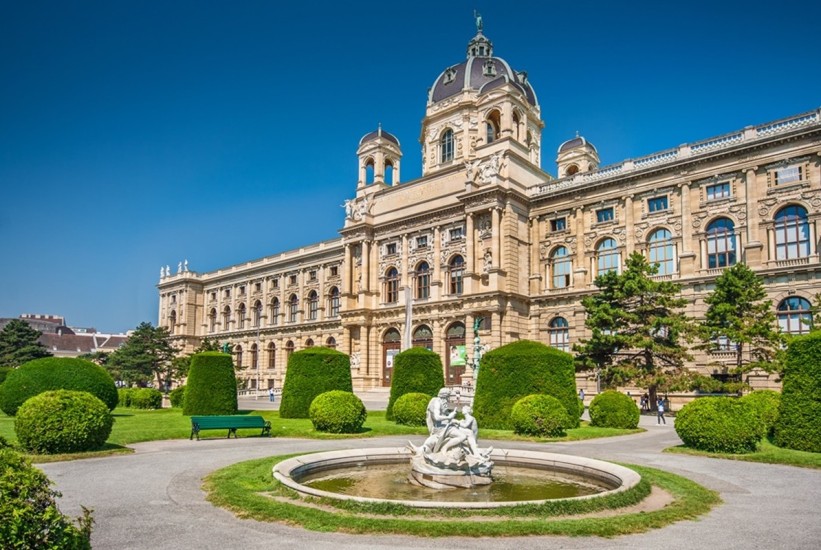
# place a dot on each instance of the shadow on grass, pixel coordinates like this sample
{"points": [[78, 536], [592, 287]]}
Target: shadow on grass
{"points": [[109, 449]]}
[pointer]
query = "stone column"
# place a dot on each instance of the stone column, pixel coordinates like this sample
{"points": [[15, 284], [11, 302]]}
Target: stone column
{"points": [[687, 256], [403, 276], [347, 271], [628, 225], [437, 280], [496, 237], [366, 265], [469, 255]]}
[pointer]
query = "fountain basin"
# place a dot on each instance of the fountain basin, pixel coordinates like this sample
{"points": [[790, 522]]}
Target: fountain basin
{"points": [[611, 477]]}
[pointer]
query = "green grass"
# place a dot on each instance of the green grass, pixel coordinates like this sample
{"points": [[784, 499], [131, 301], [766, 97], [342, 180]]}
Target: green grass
{"points": [[766, 453], [246, 489]]}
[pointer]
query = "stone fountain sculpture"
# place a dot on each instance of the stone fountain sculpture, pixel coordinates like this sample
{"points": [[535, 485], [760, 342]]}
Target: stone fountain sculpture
{"points": [[450, 458]]}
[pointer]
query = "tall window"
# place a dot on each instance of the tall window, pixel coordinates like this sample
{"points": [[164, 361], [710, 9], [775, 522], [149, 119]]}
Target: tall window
{"points": [[274, 311], [226, 318], [272, 356], [721, 243], [293, 308], [422, 281], [457, 272], [492, 126], [257, 313], [446, 146], [289, 350], [212, 320], [254, 357], [607, 256], [238, 356], [172, 322], [241, 316], [391, 286], [662, 251], [559, 334], [792, 233], [313, 305], [794, 315], [560, 266], [334, 302]]}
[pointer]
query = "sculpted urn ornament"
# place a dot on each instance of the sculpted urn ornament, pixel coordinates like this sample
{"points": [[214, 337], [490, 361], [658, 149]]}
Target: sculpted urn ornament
{"points": [[450, 457]]}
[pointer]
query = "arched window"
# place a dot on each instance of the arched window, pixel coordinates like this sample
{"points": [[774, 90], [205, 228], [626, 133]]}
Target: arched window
{"points": [[369, 171], [560, 267], [226, 318], [422, 281], [274, 311], [272, 356], [293, 308], [721, 243], [607, 256], [662, 251], [391, 286], [241, 316], [238, 356], [792, 233], [333, 302], [309, 343], [254, 357], [422, 337], [559, 333], [289, 350], [795, 315], [172, 322], [257, 313], [212, 320], [313, 305], [389, 172], [457, 272], [492, 125], [446, 146], [517, 120], [330, 342]]}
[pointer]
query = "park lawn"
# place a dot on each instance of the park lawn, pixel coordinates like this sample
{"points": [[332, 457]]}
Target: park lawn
{"points": [[766, 453]]}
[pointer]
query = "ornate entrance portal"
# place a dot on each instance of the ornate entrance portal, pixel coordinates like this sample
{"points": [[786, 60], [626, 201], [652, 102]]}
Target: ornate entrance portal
{"points": [[455, 354]]}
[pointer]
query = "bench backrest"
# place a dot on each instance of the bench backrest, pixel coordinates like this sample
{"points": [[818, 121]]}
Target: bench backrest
{"points": [[228, 421]]}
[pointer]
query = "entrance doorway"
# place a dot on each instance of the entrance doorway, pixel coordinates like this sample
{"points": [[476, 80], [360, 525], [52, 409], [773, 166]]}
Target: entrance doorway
{"points": [[455, 354], [391, 345]]}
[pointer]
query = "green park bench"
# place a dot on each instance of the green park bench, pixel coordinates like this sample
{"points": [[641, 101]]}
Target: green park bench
{"points": [[230, 422]]}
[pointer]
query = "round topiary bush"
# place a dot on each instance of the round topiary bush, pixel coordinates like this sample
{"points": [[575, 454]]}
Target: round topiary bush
{"points": [[797, 426], [612, 409], [211, 387], [338, 412], [719, 424], [540, 415], [63, 421], [29, 517], [177, 397], [411, 409], [146, 398], [415, 370], [56, 373], [520, 369], [311, 372], [764, 404]]}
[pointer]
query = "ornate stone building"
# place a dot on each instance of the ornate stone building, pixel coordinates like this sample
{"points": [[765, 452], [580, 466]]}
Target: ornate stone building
{"points": [[485, 236]]}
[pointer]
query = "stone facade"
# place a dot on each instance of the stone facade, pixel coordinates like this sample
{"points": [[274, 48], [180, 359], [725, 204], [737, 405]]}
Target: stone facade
{"points": [[486, 237]]}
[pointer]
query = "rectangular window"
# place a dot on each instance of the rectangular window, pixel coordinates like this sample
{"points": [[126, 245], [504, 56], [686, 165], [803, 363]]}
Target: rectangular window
{"points": [[390, 249], [657, 204], [456, 234], [213, 296], [559, 224], [312, 275], [421, 242], [227, 292], [718, 191], [334, 271], [605, 215], [242, 290], [275, 283], [292, 279], [789, 174]]}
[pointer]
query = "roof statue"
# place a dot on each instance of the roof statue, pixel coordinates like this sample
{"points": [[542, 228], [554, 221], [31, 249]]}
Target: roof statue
{"points": [[478, 17]]}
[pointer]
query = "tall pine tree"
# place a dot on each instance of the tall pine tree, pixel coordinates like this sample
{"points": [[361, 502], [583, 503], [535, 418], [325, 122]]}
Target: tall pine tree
{"points": [[19, 343], [145, 355]]}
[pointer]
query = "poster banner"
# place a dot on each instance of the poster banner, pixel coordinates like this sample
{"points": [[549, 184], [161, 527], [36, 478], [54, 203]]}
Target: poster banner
{"points": [[389, 355], [458, 356]]}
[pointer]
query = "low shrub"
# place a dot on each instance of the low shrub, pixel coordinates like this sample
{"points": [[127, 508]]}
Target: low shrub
{"points": [[764, 404], [62, 421], [411, 409], [212, 385], [146, 398], [540, 415], [177, 397], [29, 517], [612, 409], [56, 373], [719, 424], [124, 396], [415, 370], [797, 426], [338, 412]]}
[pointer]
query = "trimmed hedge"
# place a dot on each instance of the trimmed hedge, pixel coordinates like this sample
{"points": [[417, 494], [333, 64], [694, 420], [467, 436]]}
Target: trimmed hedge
{"points": [[29, 517], [415, 370], [520, 369], [63, 421], [146, 398], [311, 372], [177, 397], [720, 425], [4, 371], [797, 426], [540, 415], [124, 396], [211, 387], [338, 412], [411, 409], [612, 409], [56, 373], [764, 405]]}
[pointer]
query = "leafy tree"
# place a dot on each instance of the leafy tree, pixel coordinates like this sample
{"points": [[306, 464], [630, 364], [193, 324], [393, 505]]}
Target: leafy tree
{"points": [[19, 343], [208, 345], [739, 311], [637, 325], [147, 354]]}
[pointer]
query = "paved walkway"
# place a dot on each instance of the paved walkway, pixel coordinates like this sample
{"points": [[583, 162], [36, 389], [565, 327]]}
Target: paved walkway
{"points": [[153, 500]]}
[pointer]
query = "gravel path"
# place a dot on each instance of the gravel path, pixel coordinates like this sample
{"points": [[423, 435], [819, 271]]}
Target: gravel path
{"points": [[152, 499]]}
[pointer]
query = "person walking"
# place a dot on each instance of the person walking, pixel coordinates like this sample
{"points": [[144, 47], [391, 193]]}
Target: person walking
{"points": [[271, 395], [660, 418]]}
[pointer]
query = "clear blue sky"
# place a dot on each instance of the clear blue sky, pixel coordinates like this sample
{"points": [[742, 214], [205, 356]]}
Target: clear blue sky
{"points": [[135, 134]]}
